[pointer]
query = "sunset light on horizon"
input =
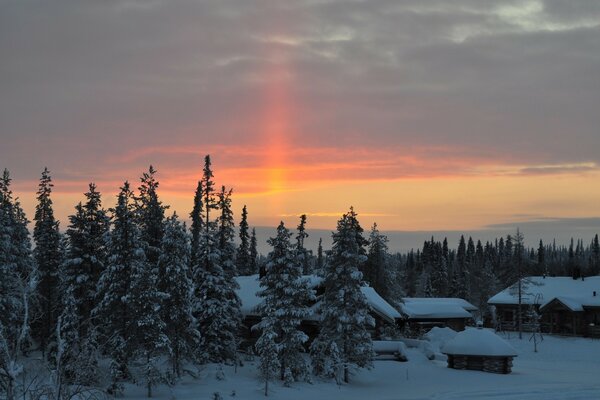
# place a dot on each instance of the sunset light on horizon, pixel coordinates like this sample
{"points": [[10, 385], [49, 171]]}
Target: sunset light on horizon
{"points": [[310, 108]]}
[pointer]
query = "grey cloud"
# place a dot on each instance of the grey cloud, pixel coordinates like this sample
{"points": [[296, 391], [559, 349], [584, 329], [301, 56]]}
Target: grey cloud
{"points": [[81, 79]]}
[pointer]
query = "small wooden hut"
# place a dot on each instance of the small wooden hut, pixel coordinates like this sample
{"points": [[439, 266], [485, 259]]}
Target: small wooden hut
{"points": [[479, 349]]}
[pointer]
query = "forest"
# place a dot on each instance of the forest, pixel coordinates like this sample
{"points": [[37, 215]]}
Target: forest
{"points": [[138, 294]]}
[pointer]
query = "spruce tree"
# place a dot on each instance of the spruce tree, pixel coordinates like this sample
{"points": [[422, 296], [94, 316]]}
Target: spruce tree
{"points": [[345, 311], [86, 255], [286, 295], [48, 257], [146, 338], [226, 234], [268, 351], [197, 226], [150, 213], [376, 270], [320, 259], [253, 253], [217, 307], [177, 306], [18, 279], [242, 258], [114, 310], [302, 254]]}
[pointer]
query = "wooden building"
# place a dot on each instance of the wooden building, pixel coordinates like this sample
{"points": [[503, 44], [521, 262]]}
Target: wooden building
{"points": [[479, 349], [423, 313], [563, 305], [382, 312]]}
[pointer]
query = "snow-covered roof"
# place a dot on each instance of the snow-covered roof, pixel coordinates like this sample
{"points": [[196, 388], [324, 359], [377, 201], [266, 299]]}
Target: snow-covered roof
{"points": [[478, 342], [249, 286], [575, 294], [446, 300], [435, 308], [379, 305]]}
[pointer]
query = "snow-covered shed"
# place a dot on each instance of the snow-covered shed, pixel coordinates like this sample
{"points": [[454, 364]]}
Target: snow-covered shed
{"points": [[479, 349], [566, 305], [427, 312]]}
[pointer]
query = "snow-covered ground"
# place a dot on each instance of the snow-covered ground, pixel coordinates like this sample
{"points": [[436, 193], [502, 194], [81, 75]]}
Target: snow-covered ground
{"points": [[564, 368]]}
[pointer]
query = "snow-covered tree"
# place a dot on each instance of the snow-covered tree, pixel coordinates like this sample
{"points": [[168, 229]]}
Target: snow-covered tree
{"points": [[242, 258], [253, 252], [344, 310], [226, 233], [180, 325], [286, 295], [114, 312], [145, 329], [18, 280], [48, 257], [86, 255], [268, 351], [150, 213], [303, 256], [197, 226], [377, 270], [217, 307]]}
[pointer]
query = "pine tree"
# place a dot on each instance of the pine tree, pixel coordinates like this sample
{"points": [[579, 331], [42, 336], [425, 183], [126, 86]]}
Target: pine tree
{"points": [[242, 257], [286, 295], [86, 255], [114, 309], [48, 258], [178, 290], [345, 311]]}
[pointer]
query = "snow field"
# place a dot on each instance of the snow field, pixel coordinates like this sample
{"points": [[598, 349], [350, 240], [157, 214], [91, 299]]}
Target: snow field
{"points": [[564, 368]]}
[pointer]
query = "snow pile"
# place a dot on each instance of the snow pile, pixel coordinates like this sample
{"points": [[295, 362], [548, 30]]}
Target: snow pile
{"points": [[440, 335], [478, 342], [391, 347]]}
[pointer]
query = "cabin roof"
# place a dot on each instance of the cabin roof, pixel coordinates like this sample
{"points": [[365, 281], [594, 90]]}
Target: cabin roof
{"points": [[435, 308], [575, 294], [249, 286]]}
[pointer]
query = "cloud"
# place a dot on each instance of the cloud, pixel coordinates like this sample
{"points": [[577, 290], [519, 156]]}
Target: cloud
{"points": [[316, 91]]}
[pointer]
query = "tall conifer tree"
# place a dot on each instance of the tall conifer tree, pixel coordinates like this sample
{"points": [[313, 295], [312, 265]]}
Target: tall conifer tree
{"points": [[345, 311], [48, 258]]}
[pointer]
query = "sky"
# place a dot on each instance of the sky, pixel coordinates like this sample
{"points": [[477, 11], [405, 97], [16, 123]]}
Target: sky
{"points": [[424, 115]]}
